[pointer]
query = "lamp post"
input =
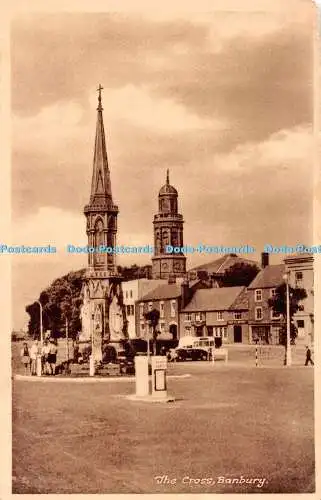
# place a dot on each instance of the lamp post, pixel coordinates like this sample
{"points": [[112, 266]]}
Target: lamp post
{"points": [[67, 340], [41, 326], [288, 360], [148, 335]]}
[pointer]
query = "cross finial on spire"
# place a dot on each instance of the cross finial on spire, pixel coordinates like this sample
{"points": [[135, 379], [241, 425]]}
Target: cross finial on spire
{"points": [[100, 88], [167, 177]]}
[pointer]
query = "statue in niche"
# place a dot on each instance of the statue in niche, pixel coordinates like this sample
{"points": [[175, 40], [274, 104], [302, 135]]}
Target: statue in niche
{"points": [[97, 333], [99, 228], [116, 314], [115, 319], [85, 316]]}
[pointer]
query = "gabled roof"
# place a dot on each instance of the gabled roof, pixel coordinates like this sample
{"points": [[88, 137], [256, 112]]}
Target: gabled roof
{"points": [[241, 302], [223, 263], [168, 291], [269, 277], [146, 286], [162, 292], [214, 299]]}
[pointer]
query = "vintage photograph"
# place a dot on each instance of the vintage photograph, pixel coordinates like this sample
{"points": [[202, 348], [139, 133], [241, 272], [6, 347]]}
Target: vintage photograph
{"points": [[162, 251]]}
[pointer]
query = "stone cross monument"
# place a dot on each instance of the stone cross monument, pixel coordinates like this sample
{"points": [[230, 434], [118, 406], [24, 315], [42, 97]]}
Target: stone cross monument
{"points": [[103, 313]]}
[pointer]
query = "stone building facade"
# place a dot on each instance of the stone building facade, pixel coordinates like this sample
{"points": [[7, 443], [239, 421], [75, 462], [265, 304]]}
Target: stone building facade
{"points": [[221, 313], [301, 272], [264, 324]]}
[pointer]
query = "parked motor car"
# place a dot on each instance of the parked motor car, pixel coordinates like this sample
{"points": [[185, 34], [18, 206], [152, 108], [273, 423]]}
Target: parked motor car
{"points": [[125, 359], [191, 354]]}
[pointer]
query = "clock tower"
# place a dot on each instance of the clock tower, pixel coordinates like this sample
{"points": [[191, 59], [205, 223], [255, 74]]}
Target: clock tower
{"points": [[168, 230]]}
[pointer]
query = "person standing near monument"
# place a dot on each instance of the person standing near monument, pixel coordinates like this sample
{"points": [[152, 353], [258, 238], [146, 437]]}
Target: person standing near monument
{"points": [[33, 357], [44, 358], [25, 357], [52, 357]]}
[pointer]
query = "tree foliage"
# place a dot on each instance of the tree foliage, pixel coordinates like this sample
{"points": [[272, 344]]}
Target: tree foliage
{"points": [[134, 272], [278, 304], [283, 334], [278, 301], [240, 274], [60, 301]]}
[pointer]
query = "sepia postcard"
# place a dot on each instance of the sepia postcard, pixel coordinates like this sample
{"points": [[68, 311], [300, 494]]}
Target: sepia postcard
{"points": [[160, 248]]}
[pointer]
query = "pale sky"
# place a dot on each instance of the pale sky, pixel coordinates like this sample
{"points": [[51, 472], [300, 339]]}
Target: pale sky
{"points": [[224, 100]]}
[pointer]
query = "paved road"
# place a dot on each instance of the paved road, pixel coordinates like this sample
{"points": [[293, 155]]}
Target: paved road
{"points": [[226, 423]]}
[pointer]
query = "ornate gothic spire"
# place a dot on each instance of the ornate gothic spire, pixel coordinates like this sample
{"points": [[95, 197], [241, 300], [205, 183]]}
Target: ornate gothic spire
{"points": [[100, 185]]}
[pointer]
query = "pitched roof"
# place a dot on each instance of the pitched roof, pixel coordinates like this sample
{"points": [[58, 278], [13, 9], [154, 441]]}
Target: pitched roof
{"points": [[241, 302], [214, 299], [220, 265], [269, 277], [168, 291], [146, 286]]}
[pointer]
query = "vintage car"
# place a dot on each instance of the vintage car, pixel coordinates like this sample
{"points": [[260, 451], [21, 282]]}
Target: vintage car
{"points": [[193, 354]]}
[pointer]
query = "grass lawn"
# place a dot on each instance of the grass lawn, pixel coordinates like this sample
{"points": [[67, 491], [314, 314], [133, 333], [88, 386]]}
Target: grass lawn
{"points": [[226, 423]]}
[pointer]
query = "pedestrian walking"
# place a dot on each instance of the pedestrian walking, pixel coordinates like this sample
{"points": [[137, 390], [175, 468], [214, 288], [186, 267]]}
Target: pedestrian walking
{"points": [[308, 358], [25, 357]]}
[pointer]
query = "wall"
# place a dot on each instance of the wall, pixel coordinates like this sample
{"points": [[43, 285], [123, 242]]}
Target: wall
{"points": [[223, 328], [167, 320]]}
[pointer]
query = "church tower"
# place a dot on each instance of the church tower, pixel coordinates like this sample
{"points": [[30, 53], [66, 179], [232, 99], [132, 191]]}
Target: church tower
{"points": [[103, 314], [168, 230]]}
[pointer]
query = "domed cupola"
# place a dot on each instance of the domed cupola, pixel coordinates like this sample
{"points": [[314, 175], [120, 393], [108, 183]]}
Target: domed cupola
{"points": [[167, 197]]}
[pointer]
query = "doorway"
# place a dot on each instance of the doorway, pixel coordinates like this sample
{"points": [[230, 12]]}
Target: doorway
{"points": [[173, 331], [238, 334]]}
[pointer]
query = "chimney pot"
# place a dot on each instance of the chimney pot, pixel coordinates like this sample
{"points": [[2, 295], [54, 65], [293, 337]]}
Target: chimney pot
{"points": [[264, 259]]}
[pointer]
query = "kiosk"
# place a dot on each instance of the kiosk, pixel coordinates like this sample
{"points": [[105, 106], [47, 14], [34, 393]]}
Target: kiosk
{"points": [[141, 376]]}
